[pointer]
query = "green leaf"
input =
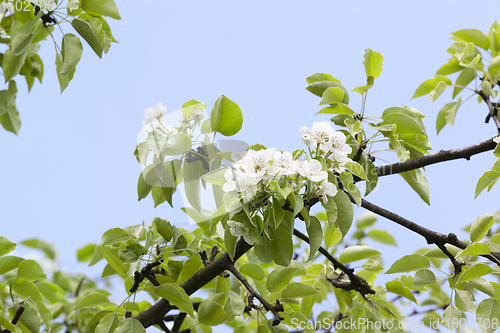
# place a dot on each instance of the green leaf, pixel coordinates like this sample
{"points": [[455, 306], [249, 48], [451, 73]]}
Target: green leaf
{"points": [[452, 66], [447, 115], [12, 64], [463, 300], [181, 143], [373, 266], [86, 253], [130, 325], [451, 318], [45, 247], [111, 256], [382, 237], [321, 77], [357, 252], [332, 95], [20, 40], [30, 320], [429, 85], [319, 87], [474, 36], [234, 307], [480, 227], [108, 323], [114, 235], [101, 8], [279, 278], [176, 296], [436, 252], [71, 52], [487, 314], [366, 220], [91, 301], [467, 75], [9, 263], [284, 246], [397, 288], [356, 169], [66, 78], [362, 89], [315, 233], [30, 270], [473, 272], [373, 63], [298, 290], [164, 228], [494, 65], [423, 278], [474, 250], [226, 117], [211, 313], [488, 179], [216, 177], [92, 32], [6, 246], [440, 88], [252, 270], [409, 263], [338, 108], [332, 234], [418, 182], [344, 212]]}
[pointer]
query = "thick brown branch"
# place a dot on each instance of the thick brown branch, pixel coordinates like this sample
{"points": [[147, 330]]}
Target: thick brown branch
{"points": [[195, 282], [432, 237], [442, 156], [356, 282]]}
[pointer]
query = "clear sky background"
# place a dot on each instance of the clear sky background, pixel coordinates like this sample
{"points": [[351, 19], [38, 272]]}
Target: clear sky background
{"points": [[71, 174]]}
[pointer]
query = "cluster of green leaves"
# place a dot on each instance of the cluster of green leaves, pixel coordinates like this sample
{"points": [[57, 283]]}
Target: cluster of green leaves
{"points": [[401, 126], [24, 24], [475, 60], [53, 300]]}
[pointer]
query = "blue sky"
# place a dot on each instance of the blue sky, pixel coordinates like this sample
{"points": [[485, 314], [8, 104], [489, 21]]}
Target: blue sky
{"points": [[70, 174]]}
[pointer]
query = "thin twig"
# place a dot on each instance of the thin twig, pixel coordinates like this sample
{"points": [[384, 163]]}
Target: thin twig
{"points": [[356, 282], [272, 308]]}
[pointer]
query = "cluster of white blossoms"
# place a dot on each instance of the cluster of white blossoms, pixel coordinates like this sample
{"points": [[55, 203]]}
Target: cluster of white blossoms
{"points": [[327, 141], [152, 122]]}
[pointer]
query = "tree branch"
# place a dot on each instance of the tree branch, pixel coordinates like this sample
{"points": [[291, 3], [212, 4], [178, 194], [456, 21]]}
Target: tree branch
{"points": [[274, 309], [492, 108], [432, 237], [195, 282], [441, 156], [356, 283]]}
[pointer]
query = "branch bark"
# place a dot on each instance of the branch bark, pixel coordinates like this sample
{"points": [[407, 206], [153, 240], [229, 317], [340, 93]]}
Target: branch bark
{"points": [[195, 282], [441, 156], [356, 282], [431, 236]]}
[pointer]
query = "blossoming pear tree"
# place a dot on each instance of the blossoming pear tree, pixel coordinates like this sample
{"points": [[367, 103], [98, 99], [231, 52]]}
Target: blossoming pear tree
{"points": [[25, 24], [280, 238]]}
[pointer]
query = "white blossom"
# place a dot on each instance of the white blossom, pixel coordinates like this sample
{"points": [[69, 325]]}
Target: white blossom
{"points": [[312, 171], [153, 115], [237, 229], [237, 180], [283, 164], [339, 160], [326, 188], [156, 111], [306, 135]]}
